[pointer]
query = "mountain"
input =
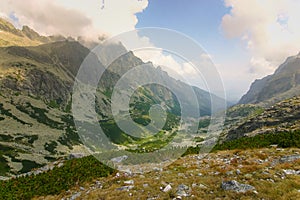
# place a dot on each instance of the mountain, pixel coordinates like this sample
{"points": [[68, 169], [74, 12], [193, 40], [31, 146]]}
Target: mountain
{"points": [[11, 36], [283, 84], [36, 85]]}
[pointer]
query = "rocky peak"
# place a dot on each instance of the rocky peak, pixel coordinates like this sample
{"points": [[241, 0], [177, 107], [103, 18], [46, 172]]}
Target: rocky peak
{"points": [[9, 27]]}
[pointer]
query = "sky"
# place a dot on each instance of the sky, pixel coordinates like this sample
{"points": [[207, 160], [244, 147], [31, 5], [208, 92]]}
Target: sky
{"points": [[245, 39]]}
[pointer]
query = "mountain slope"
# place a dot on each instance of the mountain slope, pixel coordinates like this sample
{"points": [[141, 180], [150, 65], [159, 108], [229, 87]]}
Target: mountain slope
{"points": [[281, 117], [283, 84]]}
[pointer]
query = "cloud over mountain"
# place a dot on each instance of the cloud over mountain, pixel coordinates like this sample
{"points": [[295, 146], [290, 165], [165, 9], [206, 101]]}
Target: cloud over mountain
{"points": [[91, 18], [270, 30]]}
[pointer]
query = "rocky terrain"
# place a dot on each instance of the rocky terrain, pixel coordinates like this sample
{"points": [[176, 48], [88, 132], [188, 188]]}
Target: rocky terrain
{"points": [[281, 117], [271, 173]]}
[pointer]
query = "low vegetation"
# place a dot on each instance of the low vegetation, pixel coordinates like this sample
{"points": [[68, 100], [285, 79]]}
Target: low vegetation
{"points": [[56, 181], [283, 140]]}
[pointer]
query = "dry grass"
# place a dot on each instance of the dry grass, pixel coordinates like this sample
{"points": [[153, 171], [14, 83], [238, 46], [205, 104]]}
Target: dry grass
{"points": [[265, 177]]}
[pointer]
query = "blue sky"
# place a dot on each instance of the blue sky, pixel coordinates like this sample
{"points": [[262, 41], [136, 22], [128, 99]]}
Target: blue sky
{"points": [[200, 20]]}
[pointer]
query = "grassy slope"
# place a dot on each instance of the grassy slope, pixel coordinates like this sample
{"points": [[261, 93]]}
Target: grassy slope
{"points": [[210, 172], [82, 172]]}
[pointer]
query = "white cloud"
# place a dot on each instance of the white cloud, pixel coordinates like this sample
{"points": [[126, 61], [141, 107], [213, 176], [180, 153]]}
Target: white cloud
{"points": [[76, 18], [270, 30]]}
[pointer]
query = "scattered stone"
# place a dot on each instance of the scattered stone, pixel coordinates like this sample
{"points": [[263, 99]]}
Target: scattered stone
{"points": [[75, 155], [167, 188], [129, 187], [183, 190], [177, 198], [236, 186], [229, 173], [291, 172], [75, 196], [129, 182], [157, 169], [248, 176], [238, 172], [82, 188], [290, 158], [202, 186], [60, 165], [3, 178], [119, 159]]}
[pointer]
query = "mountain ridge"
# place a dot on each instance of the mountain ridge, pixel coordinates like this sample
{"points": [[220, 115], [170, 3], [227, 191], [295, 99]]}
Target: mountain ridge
{"points": [[282, 84]]}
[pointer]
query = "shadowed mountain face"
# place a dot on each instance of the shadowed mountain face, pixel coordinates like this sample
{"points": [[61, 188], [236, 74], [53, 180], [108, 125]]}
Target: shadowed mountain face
{"points": [[283, 84]]}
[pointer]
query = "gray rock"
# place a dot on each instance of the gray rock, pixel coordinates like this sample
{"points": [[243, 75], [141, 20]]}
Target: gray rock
{"points": [[129, 187], [167, 188], [290, 158], [236, 186], [119, 159], [82, 188], [76, 155], [183, 190], [129, 182], [291, 172], [75, 196]]}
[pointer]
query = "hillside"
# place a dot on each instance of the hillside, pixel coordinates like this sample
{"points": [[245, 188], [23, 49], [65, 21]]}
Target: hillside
{"points": [[281, 117], [283, 84]]}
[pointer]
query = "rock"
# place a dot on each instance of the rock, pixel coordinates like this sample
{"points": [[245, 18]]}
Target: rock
{"points": [[60, 165], [129, 187], [229, 173], [119, 159], [183, 190], [145, 185], [76, 155], [157, 169], [290, 158], [81, 188], [177, 198], [75, 196], [291, 172], [238, 172], [4, 178], [129, 182], [167, 188], [202, 186], [236, 186], [248, 176]]}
